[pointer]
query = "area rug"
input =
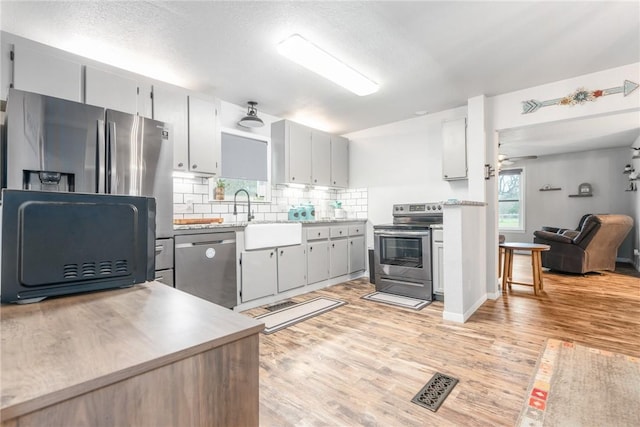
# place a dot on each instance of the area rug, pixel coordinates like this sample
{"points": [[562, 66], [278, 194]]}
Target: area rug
{"points": [[576, 385], [291, 315], [400, 301]]}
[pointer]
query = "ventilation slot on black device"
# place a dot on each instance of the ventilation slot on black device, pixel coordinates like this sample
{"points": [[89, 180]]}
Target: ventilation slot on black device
{"points": [[70, 271], [122, 266], [88, 269], [105, 268]]}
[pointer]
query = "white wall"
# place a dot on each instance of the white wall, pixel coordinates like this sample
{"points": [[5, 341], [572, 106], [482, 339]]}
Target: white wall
{"points": [[402, 163], [600, 168], [506, 113]]}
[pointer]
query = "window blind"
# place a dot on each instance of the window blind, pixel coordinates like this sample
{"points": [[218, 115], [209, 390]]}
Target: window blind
{"points": [[243, 158]]}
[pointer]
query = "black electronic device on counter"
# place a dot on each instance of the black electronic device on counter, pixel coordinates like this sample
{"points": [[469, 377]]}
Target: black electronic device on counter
{"points": [[57, 243]]}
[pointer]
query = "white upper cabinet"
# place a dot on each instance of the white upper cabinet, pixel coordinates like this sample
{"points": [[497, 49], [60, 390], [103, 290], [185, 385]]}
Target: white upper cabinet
{"points": [[303, 155], [454, 149], [204, 136], [321, 158], [171, 106], [111, 91], [339, 161], [44, 73]]}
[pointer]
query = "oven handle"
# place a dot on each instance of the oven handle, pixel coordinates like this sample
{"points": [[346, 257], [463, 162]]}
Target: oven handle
{"points": [[400, 233]]}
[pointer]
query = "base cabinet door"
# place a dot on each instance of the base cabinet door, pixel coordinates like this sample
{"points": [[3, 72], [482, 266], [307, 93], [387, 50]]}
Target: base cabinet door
{"points": [[317, 261], [259, 274], [338, 258], [356, 254], [291, 267]]}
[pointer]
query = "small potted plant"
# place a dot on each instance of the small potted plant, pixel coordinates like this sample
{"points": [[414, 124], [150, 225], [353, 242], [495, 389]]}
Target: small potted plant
{"points": [[220, 185]]}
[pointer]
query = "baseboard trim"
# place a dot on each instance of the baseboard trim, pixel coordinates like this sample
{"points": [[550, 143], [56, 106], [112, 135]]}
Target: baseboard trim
{"points": [[461, 318]]}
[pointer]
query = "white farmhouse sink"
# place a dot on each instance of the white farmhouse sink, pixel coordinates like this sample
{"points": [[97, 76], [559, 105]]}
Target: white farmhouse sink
{"points": [[257, 236]]}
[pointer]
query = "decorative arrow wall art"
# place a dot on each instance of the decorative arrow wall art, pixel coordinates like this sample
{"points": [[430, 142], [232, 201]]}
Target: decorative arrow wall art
{"points": [[580, 96]]}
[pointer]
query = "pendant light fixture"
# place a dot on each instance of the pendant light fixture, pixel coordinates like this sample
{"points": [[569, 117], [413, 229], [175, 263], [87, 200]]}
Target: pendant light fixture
{"points": [[251, 120]]}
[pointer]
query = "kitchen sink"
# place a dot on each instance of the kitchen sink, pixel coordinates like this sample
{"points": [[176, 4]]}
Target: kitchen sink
{"points": [[258, 236]]}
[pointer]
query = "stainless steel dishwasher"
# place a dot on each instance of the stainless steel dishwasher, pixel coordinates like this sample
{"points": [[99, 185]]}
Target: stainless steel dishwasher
{"points": [[206, 266]]}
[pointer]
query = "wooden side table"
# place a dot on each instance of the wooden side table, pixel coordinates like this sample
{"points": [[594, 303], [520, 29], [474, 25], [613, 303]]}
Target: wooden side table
{"points": [[536, 264]]}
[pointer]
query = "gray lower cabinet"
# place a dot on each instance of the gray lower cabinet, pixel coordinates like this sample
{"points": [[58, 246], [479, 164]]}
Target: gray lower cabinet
{"points": [[356, 254], [338, 257], [292, 271], [269, 271], [317, 261], [259, 274]]}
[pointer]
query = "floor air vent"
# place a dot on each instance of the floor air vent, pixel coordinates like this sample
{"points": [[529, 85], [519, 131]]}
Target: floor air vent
{"points": [[278, 306], [435, 391]]}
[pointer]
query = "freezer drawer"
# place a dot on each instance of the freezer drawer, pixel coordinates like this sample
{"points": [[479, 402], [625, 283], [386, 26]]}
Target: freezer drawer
{"points": [[205, 266], [164, 254]]}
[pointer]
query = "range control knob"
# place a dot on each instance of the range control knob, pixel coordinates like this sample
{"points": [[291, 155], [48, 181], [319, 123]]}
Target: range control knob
{"points": [[439, 207], [401, 208], [428, 207]]}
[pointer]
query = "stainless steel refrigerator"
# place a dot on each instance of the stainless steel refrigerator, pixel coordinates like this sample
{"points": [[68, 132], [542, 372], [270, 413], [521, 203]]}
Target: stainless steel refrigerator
{"points": [[58, 145]]}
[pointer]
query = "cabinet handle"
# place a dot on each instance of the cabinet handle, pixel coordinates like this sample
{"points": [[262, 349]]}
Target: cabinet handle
{"points": [[310, 248], [351, 243], [194, 167], [340, 231], [180, 164], [293, 178], [318, 234], [334, 183], [315, 180], [271, 254], [333, 245], [281, 253]]}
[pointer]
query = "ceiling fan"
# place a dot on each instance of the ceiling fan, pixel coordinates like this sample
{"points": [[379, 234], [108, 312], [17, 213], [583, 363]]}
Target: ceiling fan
{"points": [[509, 160]]}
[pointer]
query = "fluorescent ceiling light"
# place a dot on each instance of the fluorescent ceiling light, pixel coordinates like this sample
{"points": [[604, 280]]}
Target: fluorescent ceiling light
{"points": [[310, 56]]}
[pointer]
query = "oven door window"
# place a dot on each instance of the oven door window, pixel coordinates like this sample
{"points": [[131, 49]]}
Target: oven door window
{"points": [[401, 251]]}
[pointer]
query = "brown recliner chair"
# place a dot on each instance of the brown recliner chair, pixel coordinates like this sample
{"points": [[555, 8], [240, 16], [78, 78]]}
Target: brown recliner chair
{"points": [[594, 247]]}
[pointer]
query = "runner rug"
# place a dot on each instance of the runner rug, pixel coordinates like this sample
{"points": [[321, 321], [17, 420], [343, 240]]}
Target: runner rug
{"points": [[576, 385], [400, 301], [293, 314]]}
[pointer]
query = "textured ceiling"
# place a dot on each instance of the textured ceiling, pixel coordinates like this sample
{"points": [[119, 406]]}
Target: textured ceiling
{"points": [[426, 56]]}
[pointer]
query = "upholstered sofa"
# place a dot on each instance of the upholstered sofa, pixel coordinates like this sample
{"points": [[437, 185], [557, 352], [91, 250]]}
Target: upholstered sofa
{"points": [[592, 247]]}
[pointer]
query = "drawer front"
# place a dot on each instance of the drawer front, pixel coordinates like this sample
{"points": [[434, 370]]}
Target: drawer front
{"points": [[437, 235], [164, 254], [165, 277], [317, 233], [339, 231], [356, 230]]}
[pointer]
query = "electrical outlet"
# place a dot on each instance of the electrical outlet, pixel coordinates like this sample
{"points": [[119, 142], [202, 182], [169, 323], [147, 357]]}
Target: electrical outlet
{"points": [[636, 252]]}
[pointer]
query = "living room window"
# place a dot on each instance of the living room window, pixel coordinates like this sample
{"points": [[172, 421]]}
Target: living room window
{"points": [[511, 200]]}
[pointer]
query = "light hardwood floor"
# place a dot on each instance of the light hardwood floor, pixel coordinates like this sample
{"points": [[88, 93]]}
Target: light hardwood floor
{"points": [[361, 364]]}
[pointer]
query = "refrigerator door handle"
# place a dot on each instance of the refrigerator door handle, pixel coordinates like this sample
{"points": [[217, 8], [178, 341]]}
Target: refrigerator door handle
{"points": [[100, 156], [111, 161]]}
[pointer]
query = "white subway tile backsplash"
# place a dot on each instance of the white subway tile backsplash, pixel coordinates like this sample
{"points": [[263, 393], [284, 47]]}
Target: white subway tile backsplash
{"points": [[190, 200], [200, 189], [182, 208], [202, 208], [182, 188]]}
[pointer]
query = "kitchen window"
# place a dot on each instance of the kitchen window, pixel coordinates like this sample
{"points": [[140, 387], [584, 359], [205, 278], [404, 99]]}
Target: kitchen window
{"points": [[245, 165], [511, 200]]}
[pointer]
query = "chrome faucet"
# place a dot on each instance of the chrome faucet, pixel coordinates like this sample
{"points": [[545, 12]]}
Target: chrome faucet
{"points": [[235, 206]]}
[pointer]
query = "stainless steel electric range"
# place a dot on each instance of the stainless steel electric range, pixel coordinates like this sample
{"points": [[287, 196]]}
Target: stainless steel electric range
{"points": [[402, 250]]}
